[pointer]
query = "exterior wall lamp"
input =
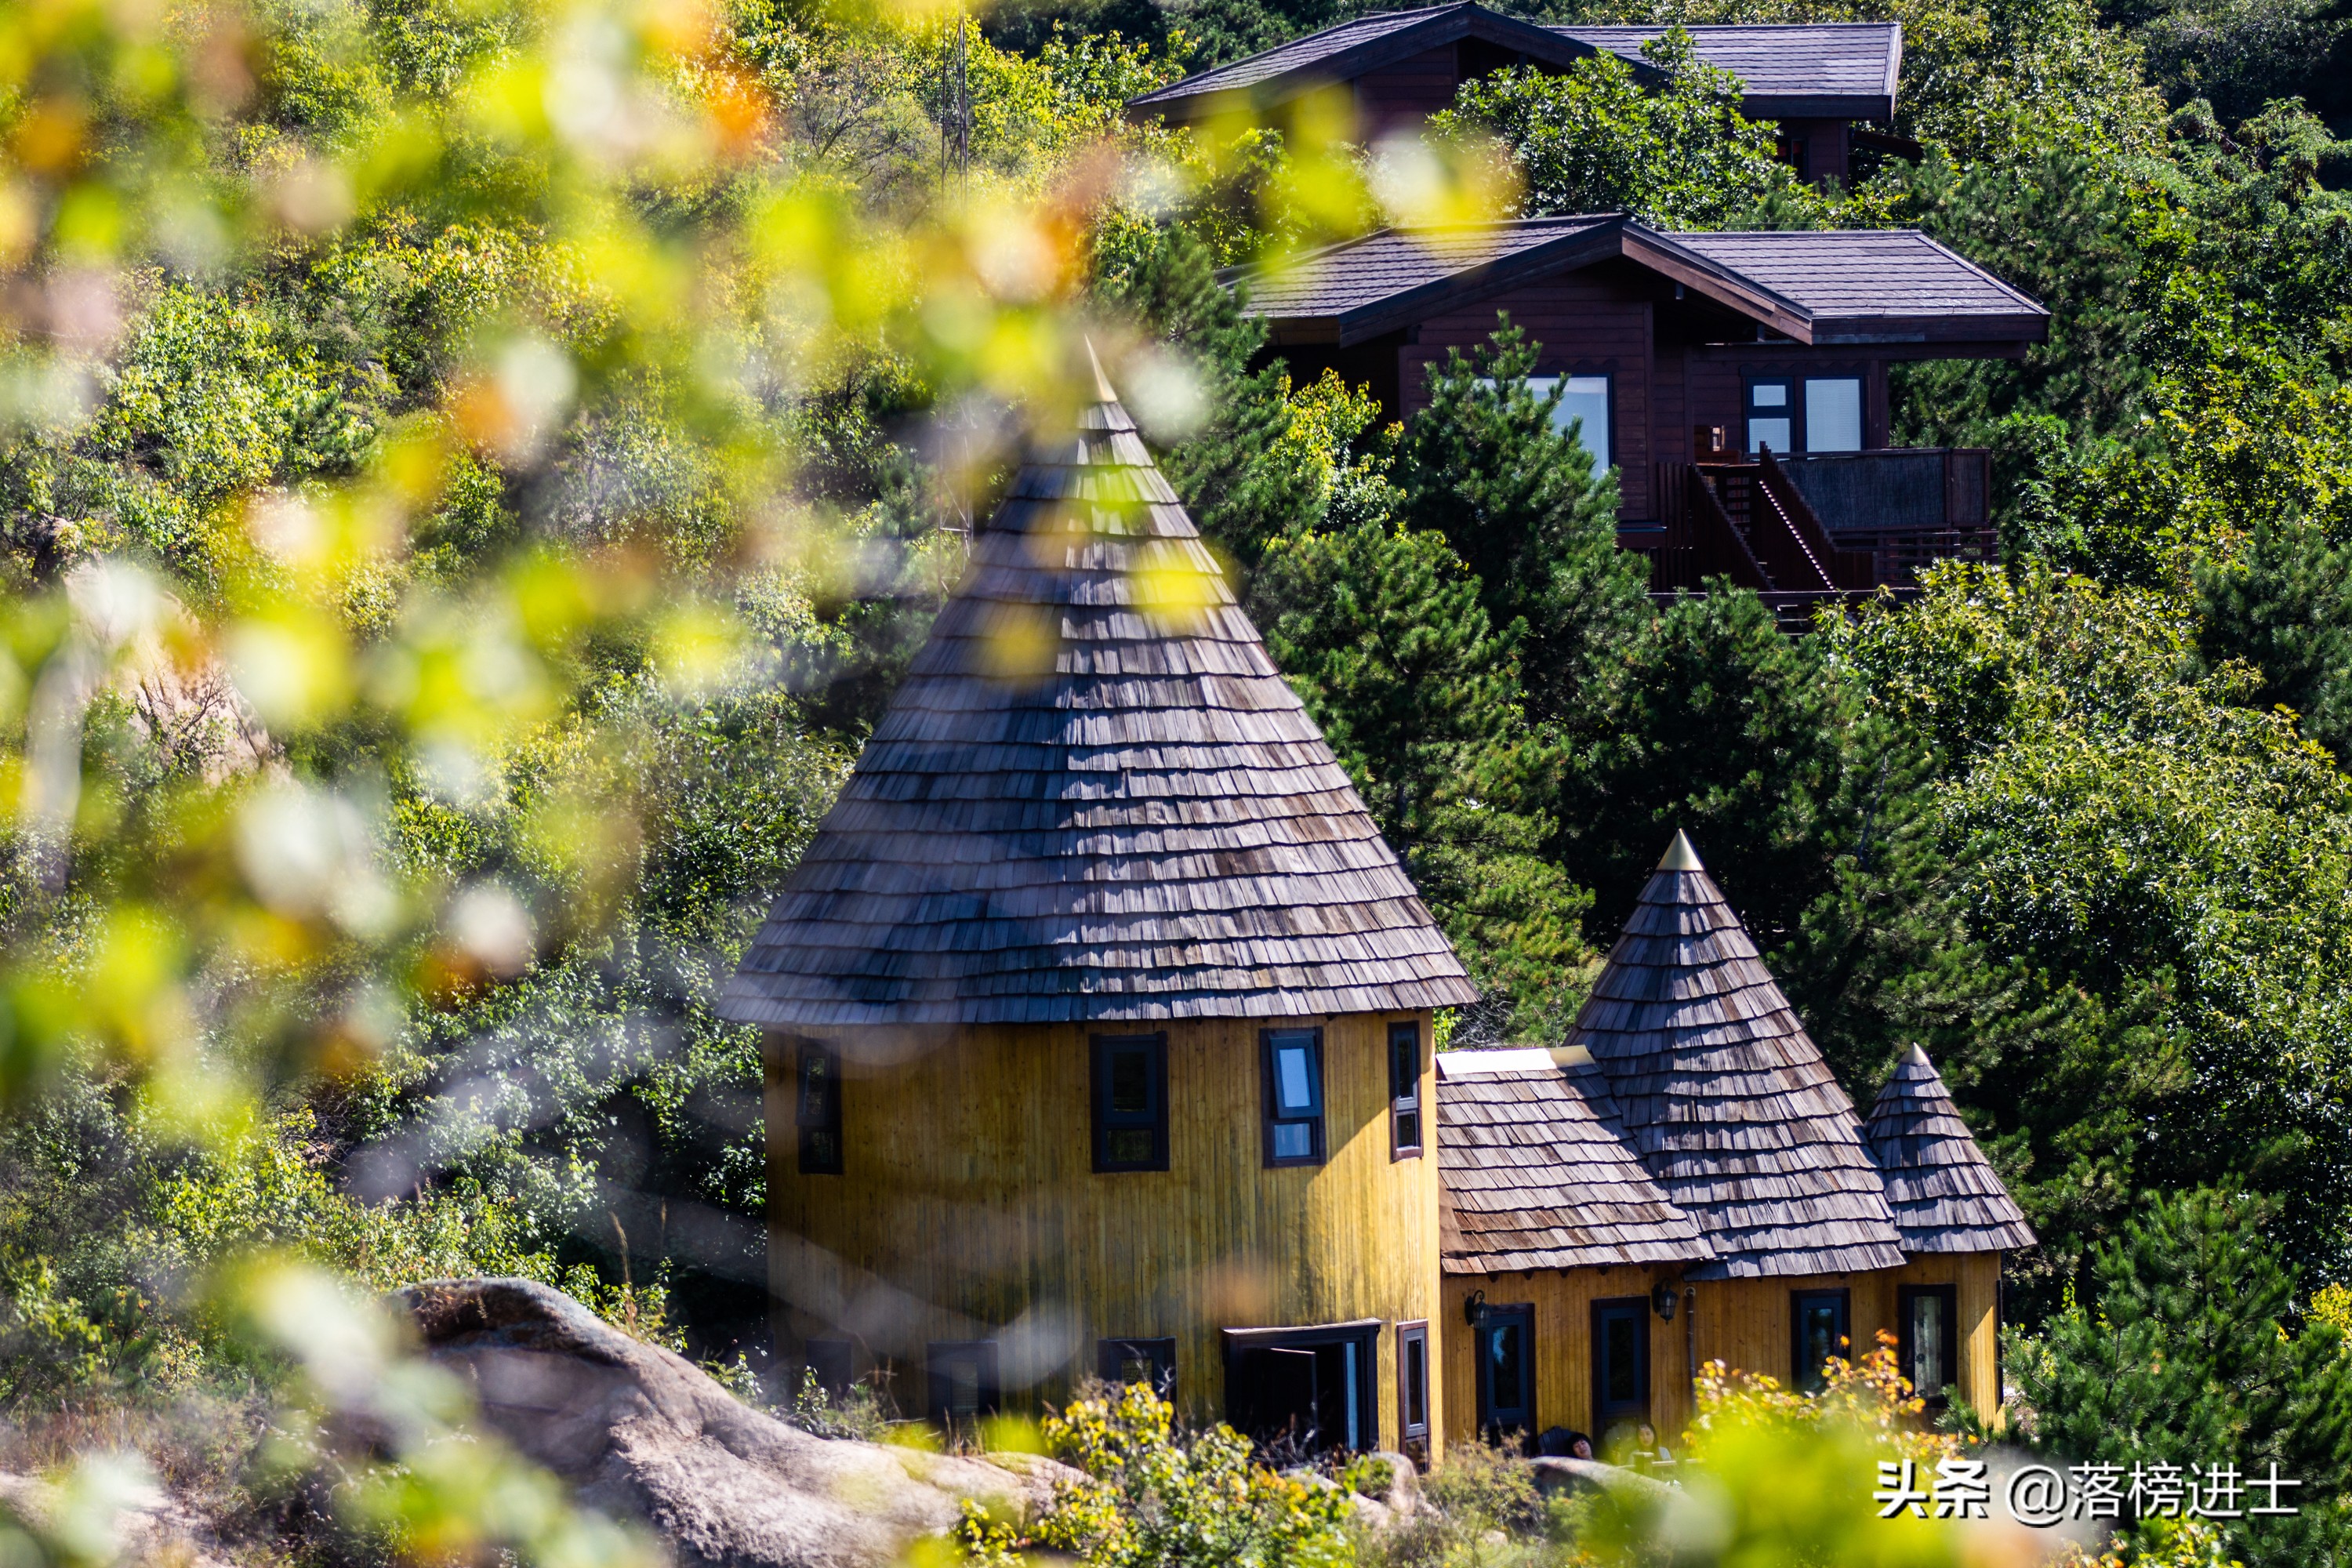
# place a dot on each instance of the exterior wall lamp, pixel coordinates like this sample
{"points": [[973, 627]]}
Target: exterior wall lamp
{"points": [[1663, 1299], [1473, 1310]]}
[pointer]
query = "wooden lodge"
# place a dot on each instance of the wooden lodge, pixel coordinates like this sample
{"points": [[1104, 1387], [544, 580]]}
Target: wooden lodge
{"points": [[1097, 1020], [1815, 82], [1736, 381]]}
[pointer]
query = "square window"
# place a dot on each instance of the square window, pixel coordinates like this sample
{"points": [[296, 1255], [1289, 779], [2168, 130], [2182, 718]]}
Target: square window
{"points": [[1772, 394], [1146, 1361], [1294, 1097], [1833, 415], [828, 1363], [1130, 1096], [963, 1379]]}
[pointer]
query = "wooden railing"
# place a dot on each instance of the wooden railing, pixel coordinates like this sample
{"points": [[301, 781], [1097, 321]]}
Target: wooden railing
{"points": [[1814, 528]]}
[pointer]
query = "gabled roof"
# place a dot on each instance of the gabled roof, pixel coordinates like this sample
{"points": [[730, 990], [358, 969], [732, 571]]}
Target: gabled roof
{"points": [[1943, 1191], [1535, 1170], [1723, 1094], [1833, 286], [1093, 797], [1826, 70], [1352, 48]]}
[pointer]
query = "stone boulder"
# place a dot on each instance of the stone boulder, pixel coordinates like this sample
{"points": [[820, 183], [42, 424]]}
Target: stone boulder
{"points": [[644, 1434]]}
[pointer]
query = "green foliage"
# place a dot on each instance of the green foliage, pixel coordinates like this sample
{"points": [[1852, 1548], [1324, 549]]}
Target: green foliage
{"points": [[2190, 1349], [1381, 628], [1155, 1499], [1522, 505], [2284, 606], [1595, 138]]}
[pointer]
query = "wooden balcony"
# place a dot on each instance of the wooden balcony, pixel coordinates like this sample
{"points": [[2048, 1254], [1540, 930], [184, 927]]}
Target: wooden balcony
{"points": [[1804, 531]]}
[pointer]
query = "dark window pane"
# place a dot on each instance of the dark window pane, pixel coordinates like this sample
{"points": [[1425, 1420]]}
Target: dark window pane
{"points": [[963, 1386], [1416, 1382], [821, 1148], [1620, 1358], [1130, 1082], [1504, 1362], [1408, 1130], [1130, 1145], [1294, 1141], [1404, 1062]]}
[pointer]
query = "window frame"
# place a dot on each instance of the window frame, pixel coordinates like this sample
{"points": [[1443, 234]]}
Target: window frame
{"points": [[1409, 1335], [1804, 1379], [1106, 1121], [809, 1156], [1490, 1425], [1402, 1108], [1112, 1353], [936, 1356], [1860, 383], [1540, 384], [1363, 1333], [1272, 1102], [1793, 385], [1638, 1408], [1904, 1349]]}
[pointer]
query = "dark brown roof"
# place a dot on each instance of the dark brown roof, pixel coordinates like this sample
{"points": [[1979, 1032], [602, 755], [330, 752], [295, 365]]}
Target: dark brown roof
{"points": [[1825, 71], [1351, 49], [1724, 1095], [1093, 797], [1945, 1195], [1835, 286], [1536, 1172], [1838, 70]]}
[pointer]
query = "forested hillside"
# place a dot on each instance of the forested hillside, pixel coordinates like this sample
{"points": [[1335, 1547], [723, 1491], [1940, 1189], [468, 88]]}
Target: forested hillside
{"points": [[472, 475]]}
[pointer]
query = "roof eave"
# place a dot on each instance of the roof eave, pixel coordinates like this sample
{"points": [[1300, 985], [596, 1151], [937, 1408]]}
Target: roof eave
{"points": [[1661, 255], [1817, 106]]}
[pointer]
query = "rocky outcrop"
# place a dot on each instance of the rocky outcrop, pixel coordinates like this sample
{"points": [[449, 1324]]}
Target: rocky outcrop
{"points": [[643, 1433]]}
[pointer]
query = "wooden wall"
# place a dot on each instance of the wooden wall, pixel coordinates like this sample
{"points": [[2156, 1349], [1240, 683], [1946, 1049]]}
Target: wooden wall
{"points": [[1403, 96], [969, 1208], [1742, 1322], [1589, 321]]}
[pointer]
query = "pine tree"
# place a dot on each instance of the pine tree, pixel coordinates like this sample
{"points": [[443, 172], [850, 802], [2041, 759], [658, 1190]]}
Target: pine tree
{"points": [[2192, 1351], [1237, 475], [1524, 506], [1382, 630], [2285, 608]]}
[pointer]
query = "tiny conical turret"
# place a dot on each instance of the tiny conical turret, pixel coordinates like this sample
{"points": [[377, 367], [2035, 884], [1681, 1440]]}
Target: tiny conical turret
{"points": [[1945, 1193]]}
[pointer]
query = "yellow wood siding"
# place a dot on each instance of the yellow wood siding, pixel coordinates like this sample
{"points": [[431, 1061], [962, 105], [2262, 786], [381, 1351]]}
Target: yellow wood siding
{"points": [[969, 1207], [1742, 1322]]}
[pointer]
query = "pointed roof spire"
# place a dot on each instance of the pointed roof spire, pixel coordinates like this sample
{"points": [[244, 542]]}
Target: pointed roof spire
{"points": [[1724, 1095], [1103, 394], [1945, 1193], [1679, 855], [1093, 798]]}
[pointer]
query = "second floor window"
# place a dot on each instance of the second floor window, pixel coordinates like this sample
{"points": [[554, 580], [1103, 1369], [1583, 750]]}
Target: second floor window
{"points": [[1130, 1085], [817, 1112], [1404, 1089], [1294, 1097]]}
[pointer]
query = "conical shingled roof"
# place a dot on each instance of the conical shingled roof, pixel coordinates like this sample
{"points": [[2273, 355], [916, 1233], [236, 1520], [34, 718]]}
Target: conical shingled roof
{"points": [[1945, 1195], [1093, 798], [1724, 1095]]}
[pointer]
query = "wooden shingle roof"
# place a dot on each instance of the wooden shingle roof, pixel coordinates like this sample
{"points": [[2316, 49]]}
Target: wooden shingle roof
{"points": [[1943, 1191], [1725, 1096], [1830, 286], [1535, 1170], [1093, 798]]}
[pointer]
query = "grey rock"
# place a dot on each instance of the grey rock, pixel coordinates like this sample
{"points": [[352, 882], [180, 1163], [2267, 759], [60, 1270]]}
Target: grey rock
{"points": [[642, 1433]]}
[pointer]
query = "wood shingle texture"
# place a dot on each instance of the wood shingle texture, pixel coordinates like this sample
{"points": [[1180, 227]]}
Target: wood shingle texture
{"points": [[1536, 1172], [1725, 1096], [1943, 1191], [1093, 798]]}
